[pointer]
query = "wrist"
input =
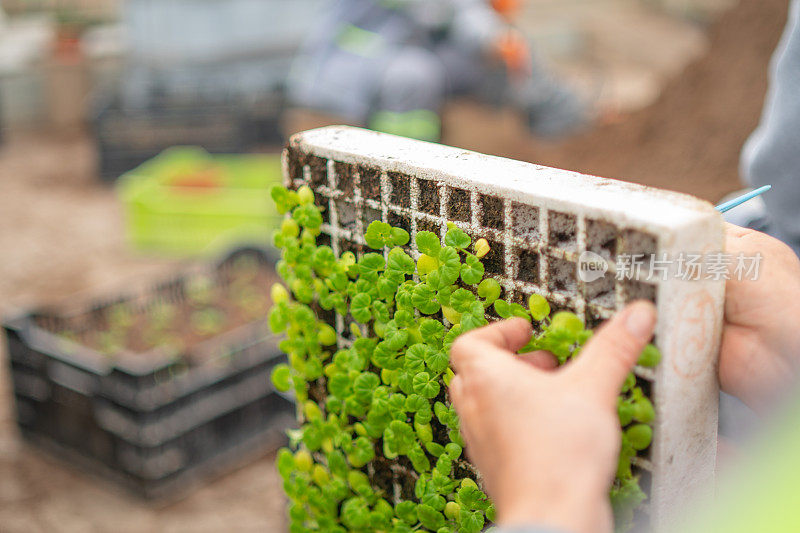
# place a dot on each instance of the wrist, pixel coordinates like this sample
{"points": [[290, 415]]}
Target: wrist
{"points": [[568, 510]]}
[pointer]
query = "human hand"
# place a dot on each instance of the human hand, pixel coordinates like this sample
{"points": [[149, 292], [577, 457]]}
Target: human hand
{"points": [[760, 350], [546, 440]]}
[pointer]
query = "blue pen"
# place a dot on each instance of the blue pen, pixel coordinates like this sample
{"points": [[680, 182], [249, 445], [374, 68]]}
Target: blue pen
{"points": [[727, 206]]}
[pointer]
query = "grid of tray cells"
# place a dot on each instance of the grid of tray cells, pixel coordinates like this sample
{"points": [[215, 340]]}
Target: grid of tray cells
{"points": [[534, 249]]}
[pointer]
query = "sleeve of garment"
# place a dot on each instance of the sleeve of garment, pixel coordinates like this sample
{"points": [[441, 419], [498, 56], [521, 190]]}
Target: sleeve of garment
{"points": [[772, 154]]}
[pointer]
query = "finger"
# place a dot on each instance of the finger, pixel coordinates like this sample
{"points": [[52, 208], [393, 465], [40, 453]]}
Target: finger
{"points": [[455, 388], [613, 351], [542, 360], [508, 335]]}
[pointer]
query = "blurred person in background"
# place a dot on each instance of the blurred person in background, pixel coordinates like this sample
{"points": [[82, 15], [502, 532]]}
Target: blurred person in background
{"points": [[391, 64], [772, 154]]}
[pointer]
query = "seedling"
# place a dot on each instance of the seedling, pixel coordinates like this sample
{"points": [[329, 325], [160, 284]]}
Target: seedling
{"points": [[200, 289], [161, 316], [382, 395], [120, 317], [534, 230], [245, 268], [208, 322], [253, 304]]}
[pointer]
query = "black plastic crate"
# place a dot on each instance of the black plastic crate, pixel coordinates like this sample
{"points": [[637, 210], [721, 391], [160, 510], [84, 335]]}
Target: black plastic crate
{"points": [[135, 420], [127, 137]]}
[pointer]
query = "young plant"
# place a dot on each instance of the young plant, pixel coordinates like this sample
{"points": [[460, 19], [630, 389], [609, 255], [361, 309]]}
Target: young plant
{"points": [[200, 289], [379, 448], [207, 322], [250, 300], [161, 316], [120, 317]]}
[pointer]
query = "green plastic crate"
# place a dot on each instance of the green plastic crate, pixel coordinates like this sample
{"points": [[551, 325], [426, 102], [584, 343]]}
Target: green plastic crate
{"points": [[188, 202]]}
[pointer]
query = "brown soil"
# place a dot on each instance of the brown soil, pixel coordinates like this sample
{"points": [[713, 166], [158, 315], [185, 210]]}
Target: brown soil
{"points": [[689, 140]]}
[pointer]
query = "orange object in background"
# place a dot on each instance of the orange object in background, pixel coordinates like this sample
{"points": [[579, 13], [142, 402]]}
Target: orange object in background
{"points": [[512, 49], [507, 8], [210, 178]]}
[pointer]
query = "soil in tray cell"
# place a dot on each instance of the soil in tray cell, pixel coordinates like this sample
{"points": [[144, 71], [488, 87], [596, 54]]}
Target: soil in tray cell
{"points": [[492, 212], [370, 183], [459, 205]]}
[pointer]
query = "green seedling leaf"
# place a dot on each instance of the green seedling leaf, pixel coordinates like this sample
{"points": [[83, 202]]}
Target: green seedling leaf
{"points": [[361, 453], [428, 243], [456, 238], [371, 262], [407, 512], [364, 385], [415, 358], [430, 517], [399, 261], [625, 412], [400, 237], [461, 300], [643, 410], [425, 385], [640, 436], [308, 216], [281, 378], [472, 270], [650, 356], [473, 317], [418, 459], [567, 322], [437, 361], [398, 437], [539, 307], [305, 195], [285, 200], [426, 264], [378, 235], [360, 308], [450, 266], [490, 290], [424, 299], [470, 521], [355, 513]]}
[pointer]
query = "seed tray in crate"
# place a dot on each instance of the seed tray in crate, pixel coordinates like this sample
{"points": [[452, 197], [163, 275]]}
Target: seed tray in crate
{"points": [[545, 226], [152, 422]]}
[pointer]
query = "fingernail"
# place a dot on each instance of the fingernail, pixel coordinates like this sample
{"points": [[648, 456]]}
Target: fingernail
{"points": [[641, 320]]}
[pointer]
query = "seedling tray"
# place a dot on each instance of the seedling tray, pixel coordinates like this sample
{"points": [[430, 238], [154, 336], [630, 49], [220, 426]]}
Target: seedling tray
{"points": [[148, 421], [542, 225]]}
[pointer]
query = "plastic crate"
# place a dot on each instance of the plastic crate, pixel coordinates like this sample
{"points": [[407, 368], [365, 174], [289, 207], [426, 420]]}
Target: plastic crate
{"points": [[135, 421], [126, 137], [165, 213], [544, 225]]}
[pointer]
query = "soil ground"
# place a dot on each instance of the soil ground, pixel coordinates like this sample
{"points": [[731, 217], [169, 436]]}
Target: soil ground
{"points": [[60, 233], [688, 140]]}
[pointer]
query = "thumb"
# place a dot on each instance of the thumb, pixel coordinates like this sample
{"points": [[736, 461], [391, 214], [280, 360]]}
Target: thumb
{"points": [[611, 354]]}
